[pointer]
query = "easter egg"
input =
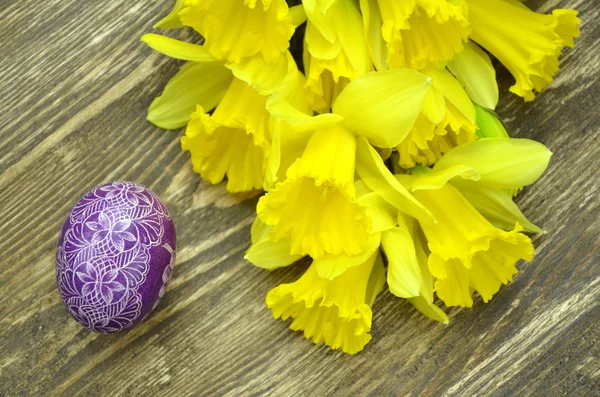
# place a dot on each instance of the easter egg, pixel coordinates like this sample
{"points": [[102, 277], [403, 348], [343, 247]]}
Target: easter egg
{"points": [[115, 256]]}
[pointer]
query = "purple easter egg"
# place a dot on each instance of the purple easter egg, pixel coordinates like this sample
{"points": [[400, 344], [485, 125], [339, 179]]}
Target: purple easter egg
{"points": [[115, 256]]}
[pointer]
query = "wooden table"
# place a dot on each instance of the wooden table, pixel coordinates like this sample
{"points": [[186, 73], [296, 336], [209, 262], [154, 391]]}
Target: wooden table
{"points": [[75, 85]]}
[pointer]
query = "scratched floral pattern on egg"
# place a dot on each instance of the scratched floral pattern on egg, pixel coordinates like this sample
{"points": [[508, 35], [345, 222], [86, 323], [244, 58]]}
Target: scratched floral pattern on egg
{"points": [[105, 254]]}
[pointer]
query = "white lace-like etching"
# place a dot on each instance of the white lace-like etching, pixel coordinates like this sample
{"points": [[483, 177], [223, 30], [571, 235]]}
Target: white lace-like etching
{"points": [[104, 256]]}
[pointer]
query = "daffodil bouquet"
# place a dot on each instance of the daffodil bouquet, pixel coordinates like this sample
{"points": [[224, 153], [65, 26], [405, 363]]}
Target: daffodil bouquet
{"points": [[375, 142]]}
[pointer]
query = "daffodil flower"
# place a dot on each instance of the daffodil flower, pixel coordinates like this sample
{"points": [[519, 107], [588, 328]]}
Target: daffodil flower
{"points": [[476, 238], [529, 44], [417, 33], [315, 206], [235, 141], [334, 312]]}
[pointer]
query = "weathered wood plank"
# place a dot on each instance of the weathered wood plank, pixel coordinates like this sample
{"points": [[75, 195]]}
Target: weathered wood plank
{"points": [[75, 86]]}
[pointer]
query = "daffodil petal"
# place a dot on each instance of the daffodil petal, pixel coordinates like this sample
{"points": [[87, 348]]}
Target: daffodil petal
{"points": [[437, 179], [331, 266], [447, 84], [376, 281], [496, 205], [270, 255], [383, 106], [316, 10], [373, 24], [298, 15], [171, 21], [382, 213], [474, 70], [262, 76], [265, 253], [404, 274], [374, 173], [196, 83], [429, 310], [259, 230], [283, 110], [502, 163], [178, 49]]}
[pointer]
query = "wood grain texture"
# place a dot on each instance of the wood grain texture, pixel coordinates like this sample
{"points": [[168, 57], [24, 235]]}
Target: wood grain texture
{"points": [[75, 85]]}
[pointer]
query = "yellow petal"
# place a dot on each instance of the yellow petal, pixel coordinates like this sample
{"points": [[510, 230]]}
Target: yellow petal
{"points": [[287, 143], [171, 21], [298, 15], [331, 266], [316, 11], [376, 281], [279, 108], [382, 213], [429, 310], [265, 253], [404, 274], [501, 163], [383, 106], [474, 70], [373, 33], [262, 76], [496, 205], [197, 83], [334, 61], [178, 49], [451, 89], [374, 173], [427, 179], [453, 289]]}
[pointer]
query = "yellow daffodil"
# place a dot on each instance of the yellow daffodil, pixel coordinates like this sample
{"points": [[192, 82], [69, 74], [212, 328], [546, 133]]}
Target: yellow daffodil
{"points": [[317, 199], [334, 312], [238, 29], [335, 54], [420, 33], [233, 141], [468, 252], [447, 120], [527, 43], [205, 80], [315, 206], [465, 193]]}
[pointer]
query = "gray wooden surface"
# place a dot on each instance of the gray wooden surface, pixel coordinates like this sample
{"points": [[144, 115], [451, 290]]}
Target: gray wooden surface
{"points": [[75, 83]]}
